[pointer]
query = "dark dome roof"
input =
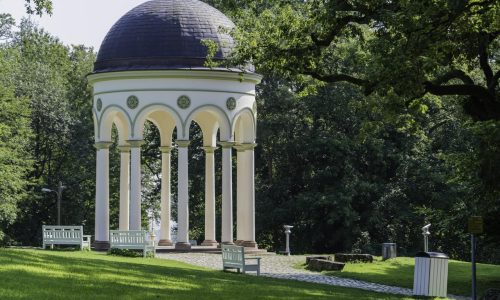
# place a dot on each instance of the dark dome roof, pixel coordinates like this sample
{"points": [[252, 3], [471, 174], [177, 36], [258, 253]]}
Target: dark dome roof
{"points": [[162, 35]]}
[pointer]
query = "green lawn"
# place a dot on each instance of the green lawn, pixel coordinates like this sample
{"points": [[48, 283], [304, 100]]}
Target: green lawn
{"points": [[44, 274], [399, 272]]}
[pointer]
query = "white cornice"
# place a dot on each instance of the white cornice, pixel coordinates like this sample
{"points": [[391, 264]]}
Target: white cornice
{"points": [[188, 74]]}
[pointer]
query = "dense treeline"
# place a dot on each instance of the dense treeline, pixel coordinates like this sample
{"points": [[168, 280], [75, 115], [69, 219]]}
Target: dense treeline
{"points": [[348, 169]]}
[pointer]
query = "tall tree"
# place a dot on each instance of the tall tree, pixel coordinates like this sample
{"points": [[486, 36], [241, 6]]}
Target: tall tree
{"points": [[444, 47]]}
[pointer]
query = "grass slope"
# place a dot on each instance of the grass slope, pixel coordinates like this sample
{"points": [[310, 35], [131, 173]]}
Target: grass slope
{"points": [[399, 272], [43, 274]]}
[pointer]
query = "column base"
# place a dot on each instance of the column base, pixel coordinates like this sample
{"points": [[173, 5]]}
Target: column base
{"points": [[101, 245], [238, 242], [225, 243], [249, 244], [209, 243], [165, 242], [182, 246]]}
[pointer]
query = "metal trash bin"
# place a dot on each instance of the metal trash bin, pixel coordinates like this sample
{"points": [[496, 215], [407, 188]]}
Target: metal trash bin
{"points": [[388, 250], [431, 274]]}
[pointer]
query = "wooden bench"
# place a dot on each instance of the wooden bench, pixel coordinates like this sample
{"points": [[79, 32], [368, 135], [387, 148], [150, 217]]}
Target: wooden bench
{"points": [[131, 239], [233, 257], [64, 235]]}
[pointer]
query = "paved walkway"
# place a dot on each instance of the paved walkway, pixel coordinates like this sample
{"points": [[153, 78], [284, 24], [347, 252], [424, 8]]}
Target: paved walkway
{"points": [[279, 266]]}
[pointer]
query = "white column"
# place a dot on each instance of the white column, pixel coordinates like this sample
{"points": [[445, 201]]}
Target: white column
{"points": [[249, 233], [124, 187], [135, 184], [183, 197], [165, 239], [241, 194], [102, 196], [227, 193], [209, 197]]}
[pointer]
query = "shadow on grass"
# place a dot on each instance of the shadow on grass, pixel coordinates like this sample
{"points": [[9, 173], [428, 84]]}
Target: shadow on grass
{"points": [[61, 275]]}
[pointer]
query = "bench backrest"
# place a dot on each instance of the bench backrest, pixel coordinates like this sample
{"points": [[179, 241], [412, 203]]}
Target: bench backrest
{"points": [[62, 233], [127, 237], [233, 255]]}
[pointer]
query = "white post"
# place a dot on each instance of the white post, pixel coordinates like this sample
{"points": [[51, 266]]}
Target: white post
{"points": [[250, 201], [246, 196], [124, 187], [287, 232], [135, 184], [227, 193], [102, 196], [209, 197], [241, 194], [165, 239], [183, 197]]}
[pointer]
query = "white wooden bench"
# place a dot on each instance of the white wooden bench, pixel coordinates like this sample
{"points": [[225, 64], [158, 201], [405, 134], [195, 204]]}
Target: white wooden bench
{"points": [[131, 239], [233, 257], [64, 235]]}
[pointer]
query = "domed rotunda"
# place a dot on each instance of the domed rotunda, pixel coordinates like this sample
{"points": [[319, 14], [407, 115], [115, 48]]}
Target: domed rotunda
{"points": [[153, 66]]}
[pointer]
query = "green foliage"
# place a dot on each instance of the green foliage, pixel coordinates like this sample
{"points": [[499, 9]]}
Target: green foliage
{"points": [[410, 48], [15, 163], [128, 252], [211, 51], [51, 79], [38, 7]]}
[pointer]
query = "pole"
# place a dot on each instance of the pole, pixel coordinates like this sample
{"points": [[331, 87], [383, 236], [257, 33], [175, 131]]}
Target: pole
{"points": [[473, 261]]}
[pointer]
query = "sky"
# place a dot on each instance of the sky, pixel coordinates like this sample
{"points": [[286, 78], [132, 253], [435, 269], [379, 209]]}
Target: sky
{"points": [[76, 21]]}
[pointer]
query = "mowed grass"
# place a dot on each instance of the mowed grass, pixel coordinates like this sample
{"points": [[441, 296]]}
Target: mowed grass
{"points": [[399, 272], [45, 274]]}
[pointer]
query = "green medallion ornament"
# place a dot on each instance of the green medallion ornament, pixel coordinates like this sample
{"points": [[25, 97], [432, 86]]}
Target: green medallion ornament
{"points": [[183, 102], [132, 102], [231, 103], [98, 104]]}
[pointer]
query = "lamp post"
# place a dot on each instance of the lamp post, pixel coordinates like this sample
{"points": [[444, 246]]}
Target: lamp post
{"points": [[59, 191]]}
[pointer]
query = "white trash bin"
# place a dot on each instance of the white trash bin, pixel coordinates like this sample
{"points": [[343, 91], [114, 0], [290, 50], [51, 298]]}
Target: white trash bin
{"points": [[431, 274], [388, 251]]}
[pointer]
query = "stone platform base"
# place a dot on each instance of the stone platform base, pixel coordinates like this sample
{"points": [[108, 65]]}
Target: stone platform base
{"points": [[165, 243], [101, 245], [182, 246], [209, 243]]}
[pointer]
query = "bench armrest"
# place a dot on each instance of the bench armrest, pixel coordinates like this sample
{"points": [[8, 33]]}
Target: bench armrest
{"points": [[87, 237], [257, 258]]}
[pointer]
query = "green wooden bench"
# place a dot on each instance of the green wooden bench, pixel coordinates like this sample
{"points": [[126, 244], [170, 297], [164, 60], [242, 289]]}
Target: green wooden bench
{"points": [[233, 257], [131, 239], [64, 235]]}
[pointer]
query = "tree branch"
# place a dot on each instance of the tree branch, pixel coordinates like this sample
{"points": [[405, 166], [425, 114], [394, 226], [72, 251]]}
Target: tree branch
{"points": [[484, 42], [459, 89], [454, 74]]}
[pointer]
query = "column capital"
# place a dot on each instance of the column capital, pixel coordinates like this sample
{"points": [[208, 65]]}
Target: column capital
{"points": [[135, 143], [183, 143], [124, 148], [226, 144], [209, 149], [103, 145], [166, 149], [245, 146]]}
